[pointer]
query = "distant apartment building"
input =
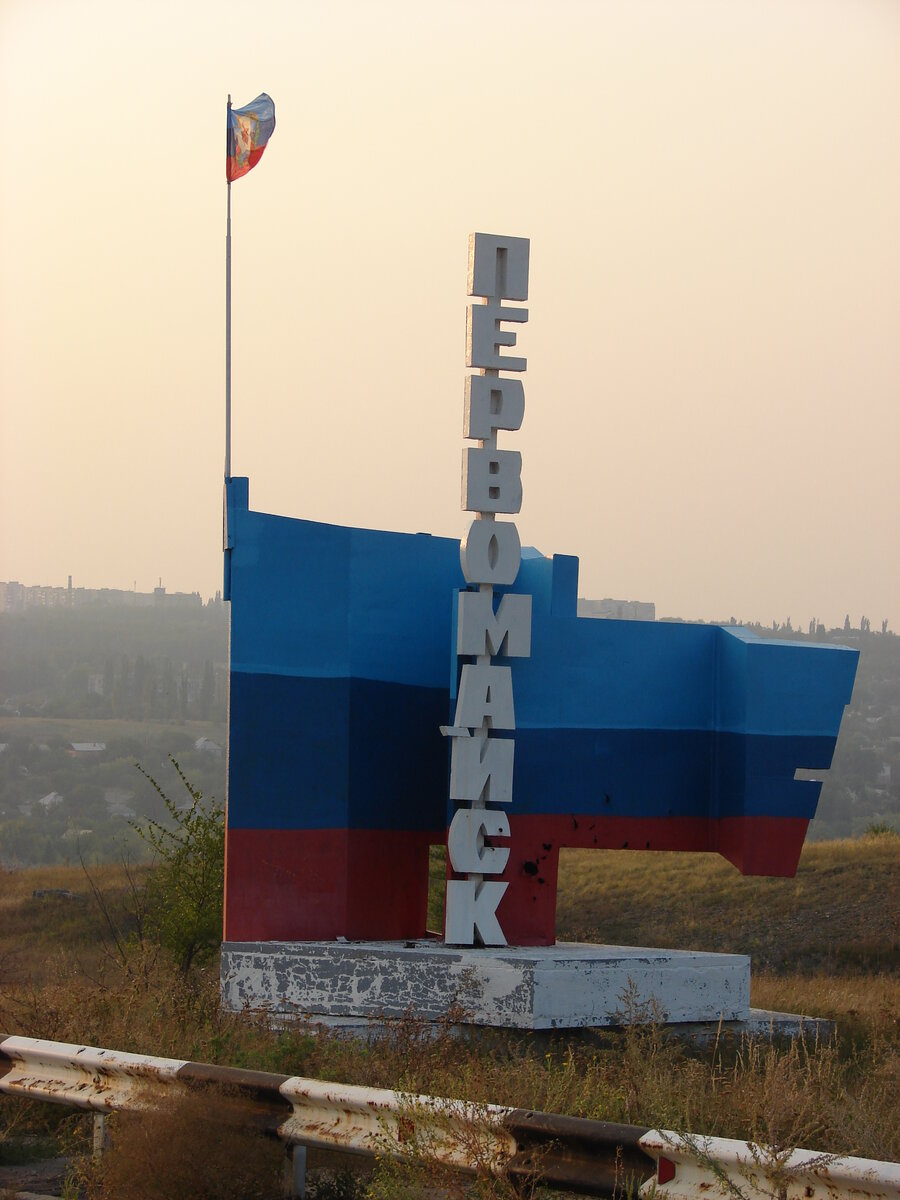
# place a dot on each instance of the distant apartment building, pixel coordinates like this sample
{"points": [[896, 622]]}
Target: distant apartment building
{"points": [[12, 597], [16, 597], [618, 610]]}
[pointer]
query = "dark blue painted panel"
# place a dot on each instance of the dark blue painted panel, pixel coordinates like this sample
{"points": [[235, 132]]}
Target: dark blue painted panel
{"points": [[335, 753], [398, 757], [564, 591], [288, 766], [651, 773], [613, 772], [319, 753]]}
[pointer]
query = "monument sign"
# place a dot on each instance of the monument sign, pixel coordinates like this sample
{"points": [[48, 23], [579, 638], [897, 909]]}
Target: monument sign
{"points": [[352, 650]]}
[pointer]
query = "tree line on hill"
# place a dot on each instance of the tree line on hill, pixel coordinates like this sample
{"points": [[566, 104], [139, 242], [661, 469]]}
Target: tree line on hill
{"points": [[144, 664]]}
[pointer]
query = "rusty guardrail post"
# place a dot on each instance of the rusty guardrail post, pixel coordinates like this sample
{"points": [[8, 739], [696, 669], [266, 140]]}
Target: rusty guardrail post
{"points": [[294, 1172], [99, 1131]]}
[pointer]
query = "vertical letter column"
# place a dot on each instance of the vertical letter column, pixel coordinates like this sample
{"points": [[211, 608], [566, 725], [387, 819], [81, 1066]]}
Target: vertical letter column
{"points": [[481, 764]]}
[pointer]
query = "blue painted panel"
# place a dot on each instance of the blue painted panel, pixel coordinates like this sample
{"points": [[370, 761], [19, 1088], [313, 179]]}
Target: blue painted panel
{"points": [[616, 674], [535, 579], [564, 594], [797, 688], [401, 601], [289, 597], [341, 640], [313, 599], [732, 651]]}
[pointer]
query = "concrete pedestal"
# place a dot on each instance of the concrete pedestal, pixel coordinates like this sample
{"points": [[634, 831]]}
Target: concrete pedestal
{"points": [[569, 985]]}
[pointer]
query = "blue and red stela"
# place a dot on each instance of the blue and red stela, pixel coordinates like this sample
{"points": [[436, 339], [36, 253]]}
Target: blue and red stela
{"points": [[629, 735]]}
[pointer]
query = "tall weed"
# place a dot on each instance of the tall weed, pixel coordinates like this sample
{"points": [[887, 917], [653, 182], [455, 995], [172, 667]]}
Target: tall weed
{"points": [[186, 1149]]}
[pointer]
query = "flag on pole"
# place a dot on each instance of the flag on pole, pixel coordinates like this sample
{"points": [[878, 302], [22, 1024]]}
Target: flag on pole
{"points": [[249, 129]]}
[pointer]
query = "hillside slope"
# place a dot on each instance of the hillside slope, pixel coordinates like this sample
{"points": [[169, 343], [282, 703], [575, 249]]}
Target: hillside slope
{"points": [[841, 912]]}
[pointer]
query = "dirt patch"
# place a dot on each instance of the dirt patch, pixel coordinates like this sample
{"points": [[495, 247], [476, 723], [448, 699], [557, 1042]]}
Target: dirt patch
{"points": [[45, 1176]]}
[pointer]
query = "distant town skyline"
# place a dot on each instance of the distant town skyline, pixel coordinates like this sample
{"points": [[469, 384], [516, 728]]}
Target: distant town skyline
{"points": [[711, 192], [16, 596]]}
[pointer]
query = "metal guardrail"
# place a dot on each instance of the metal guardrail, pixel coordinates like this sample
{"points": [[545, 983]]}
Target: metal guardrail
{"points": [[696, 1166], [595, 1158]]}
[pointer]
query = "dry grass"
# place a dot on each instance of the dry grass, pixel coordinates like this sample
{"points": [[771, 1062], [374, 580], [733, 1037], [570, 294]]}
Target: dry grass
{"points": [[186, 1149], [842, 1096], [841, 911], [855, 1002], [39, 935]]}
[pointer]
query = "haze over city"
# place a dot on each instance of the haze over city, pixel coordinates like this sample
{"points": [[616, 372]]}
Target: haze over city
{"points": [[711, 192]]}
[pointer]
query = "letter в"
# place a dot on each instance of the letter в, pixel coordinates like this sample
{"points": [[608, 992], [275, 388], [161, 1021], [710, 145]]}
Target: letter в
{"points": [[491, 480]]}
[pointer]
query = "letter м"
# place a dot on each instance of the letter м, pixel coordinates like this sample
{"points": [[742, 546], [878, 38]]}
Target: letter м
{"points": [[481, 631]]}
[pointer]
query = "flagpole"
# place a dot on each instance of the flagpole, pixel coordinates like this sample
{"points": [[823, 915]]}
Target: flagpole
{"points": [[228, 310]]}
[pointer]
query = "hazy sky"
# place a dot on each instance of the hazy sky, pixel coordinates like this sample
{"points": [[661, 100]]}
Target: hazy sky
{"points": [[712, 192]]}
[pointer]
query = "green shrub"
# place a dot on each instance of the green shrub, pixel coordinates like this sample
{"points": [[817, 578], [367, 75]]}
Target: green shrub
{"points": [[881, 829], [184, 909]]}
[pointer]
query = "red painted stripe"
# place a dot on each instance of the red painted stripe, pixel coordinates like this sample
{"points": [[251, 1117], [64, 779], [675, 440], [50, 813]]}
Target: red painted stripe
{"points": [[320, 884], [527, 912], [284, 884], [762, 845]]}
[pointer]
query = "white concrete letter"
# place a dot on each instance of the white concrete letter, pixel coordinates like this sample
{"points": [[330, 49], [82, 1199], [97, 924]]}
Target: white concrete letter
{"points": [[491, 480], [472, 910], [465, 841], [485, 694], [498, 266], [484, 337], [480, 631], [492, 403], [482, 768], [490, 553]]}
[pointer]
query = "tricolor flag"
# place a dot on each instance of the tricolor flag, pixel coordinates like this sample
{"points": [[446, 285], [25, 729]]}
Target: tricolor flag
{"points": [[249, 128]]}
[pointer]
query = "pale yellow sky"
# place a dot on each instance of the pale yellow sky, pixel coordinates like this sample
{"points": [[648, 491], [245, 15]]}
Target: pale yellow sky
{"points": [[712, 192]]}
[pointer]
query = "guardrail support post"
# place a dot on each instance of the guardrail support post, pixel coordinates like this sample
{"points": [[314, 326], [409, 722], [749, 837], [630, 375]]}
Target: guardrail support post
{"points": [[294, 1172], [99, 1135]]}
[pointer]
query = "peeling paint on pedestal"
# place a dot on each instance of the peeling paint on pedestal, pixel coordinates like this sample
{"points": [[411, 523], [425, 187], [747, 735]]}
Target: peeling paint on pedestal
{"points": [[568, 985]]}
